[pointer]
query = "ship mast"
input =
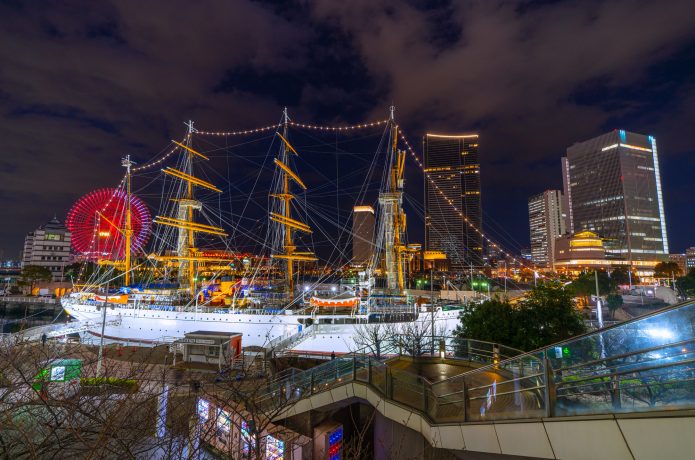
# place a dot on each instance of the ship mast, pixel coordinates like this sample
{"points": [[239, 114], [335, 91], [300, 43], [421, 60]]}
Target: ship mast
{"points": [[393, 217], [288, 224], [128, 232], [186, 253]]}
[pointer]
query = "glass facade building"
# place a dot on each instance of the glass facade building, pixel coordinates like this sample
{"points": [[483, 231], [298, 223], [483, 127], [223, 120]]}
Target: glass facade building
{"points": [[613, 186], [453, 166]]}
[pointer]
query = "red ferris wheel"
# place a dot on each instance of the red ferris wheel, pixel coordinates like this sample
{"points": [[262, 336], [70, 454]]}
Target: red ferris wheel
{"points": [[98, 219]]}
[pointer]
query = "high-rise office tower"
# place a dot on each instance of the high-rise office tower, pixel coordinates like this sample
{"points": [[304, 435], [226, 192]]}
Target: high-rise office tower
{"points": [[362, 234], [453, 166], [613, 186], [547, 222]]}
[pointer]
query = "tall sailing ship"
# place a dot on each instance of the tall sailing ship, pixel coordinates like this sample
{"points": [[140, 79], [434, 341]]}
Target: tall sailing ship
{"points": [[171, 300]]}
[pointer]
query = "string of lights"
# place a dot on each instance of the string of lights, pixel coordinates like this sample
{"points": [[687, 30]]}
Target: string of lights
{"points": [[244, 132], [158, 162], [337, 128], [154, 163]]}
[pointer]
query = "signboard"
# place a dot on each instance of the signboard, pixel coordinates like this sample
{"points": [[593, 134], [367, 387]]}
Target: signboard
{"points": [[201, 341], [335, 444], [274, 448], [203, 410], [246, 439], [224, 421], [58, 374]]}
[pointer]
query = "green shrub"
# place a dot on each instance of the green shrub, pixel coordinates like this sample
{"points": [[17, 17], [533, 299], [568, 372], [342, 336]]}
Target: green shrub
{"points": [[127, 384]]}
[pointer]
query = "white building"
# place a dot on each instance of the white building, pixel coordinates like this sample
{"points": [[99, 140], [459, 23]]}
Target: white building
{"points": [[689, 259], [48, 246], [546, 223]]}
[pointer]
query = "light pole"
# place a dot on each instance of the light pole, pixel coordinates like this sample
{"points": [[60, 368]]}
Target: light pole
{"points": [[432, 305], [599, 313], [103, 326], [599, 316], [505, 277]]}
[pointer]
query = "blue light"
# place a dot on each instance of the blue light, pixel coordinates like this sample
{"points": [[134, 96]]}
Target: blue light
{"points": [[622, 135]]}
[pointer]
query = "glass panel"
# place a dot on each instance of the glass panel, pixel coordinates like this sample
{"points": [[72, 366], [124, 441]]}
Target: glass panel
{"points": [[379, 376], [408, 389], [646, 364]]}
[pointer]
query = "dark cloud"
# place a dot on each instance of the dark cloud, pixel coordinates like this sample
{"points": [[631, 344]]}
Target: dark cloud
{"points": [[82, 84]]}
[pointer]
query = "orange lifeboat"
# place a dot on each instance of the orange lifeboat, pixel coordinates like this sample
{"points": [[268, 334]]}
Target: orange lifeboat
{"points": [[348, 302]]}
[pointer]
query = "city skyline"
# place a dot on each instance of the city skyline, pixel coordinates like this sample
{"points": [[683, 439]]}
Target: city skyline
{"points": [[81, 91]]}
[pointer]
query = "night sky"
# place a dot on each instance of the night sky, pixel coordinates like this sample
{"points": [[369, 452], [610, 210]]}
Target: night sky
{"points": [[84, 83]]}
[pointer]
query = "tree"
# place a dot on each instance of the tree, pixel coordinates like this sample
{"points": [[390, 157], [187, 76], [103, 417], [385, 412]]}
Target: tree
{"points": [[686, 284], [613, 302], [373, 337], [585, 284], [492, 321], [33, 273], [415, 338], [621, 278], [72, 271], [135, 408], [667, 270], [546, 316]]}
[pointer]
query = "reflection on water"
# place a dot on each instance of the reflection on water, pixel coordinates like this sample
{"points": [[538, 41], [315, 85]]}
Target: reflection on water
{"points": [[17, 316]]}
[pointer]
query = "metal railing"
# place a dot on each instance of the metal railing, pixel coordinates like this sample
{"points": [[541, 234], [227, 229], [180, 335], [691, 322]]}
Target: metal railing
{"points": [[644, 364], [52, 331], [37, 299], [280, 344]]}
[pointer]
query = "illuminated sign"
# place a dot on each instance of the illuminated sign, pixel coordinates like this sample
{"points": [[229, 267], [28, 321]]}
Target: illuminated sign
{"points": [[224, 421], [274, 449], [246, 439], [58, 374], [335, 444], [203, 410]]}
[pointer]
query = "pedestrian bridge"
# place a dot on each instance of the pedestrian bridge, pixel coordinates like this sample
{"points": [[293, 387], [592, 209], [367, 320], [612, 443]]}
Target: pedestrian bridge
{"points": [[623, 392]]}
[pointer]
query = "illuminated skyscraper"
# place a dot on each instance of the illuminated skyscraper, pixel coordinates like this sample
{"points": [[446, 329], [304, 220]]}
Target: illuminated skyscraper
{"points": [[362, 234], [546, 222], [613, 186], [453, 165]]}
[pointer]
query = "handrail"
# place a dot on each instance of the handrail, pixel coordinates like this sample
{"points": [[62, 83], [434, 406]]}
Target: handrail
{"points": [[625, 355], [548, 392], [626, 372]]}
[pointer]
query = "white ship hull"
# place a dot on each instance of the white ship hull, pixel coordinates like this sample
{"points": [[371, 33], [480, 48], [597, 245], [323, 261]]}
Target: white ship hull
{"points": [[157, 326]]}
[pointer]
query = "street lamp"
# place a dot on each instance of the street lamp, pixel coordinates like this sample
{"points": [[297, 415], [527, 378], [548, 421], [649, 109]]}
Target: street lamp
{"points": [[486, 284]]}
